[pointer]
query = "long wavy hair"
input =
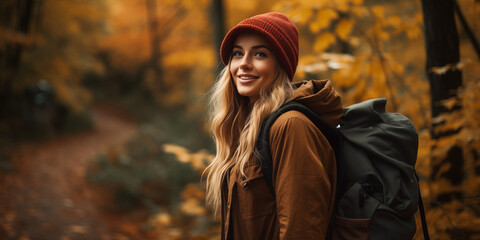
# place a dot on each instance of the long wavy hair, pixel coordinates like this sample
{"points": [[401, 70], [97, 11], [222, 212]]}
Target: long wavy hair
{"points": [[235, 124]]}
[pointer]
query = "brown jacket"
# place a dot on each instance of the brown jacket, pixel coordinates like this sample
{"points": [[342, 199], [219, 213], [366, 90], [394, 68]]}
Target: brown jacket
{"points": [[304, 177]]}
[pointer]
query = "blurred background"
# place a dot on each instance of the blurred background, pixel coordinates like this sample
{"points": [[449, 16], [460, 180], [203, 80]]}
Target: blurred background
{"points": [[103, 124]]}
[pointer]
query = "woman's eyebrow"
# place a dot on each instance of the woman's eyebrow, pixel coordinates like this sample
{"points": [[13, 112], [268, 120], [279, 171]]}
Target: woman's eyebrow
{"points": [[254, 47], [261, 46]]}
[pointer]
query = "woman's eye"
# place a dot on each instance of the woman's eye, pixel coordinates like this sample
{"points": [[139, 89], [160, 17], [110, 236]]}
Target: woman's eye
{"points": [[260, 54], [237, 54]]}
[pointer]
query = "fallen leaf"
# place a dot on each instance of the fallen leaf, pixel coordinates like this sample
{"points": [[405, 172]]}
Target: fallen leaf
{"points": [[78, 229]]}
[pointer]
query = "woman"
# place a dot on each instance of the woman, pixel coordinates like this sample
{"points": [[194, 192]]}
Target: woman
{"points": [[260, 56]]}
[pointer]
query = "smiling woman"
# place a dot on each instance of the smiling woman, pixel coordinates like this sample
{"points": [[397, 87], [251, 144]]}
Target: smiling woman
{"points": [[260, 56], [253, 65]]}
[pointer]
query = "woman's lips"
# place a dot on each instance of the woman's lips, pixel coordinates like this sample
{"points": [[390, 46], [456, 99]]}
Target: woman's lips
{"points": [[247, 78]]}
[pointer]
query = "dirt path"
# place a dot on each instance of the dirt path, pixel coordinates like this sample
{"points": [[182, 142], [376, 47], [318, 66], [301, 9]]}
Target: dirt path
{"points": [[47, 197]]}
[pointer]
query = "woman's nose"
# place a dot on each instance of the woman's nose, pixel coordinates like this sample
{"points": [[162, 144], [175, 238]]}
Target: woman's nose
{"points": [[246, 63]]}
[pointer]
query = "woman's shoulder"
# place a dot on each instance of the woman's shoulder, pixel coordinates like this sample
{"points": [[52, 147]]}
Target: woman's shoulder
{"points": [[295, 128], [292, 121]]}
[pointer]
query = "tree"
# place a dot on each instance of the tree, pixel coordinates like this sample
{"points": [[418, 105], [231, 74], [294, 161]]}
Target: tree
{"points": [[160, 49], [158, 34], [15, 23], [218, 23], [442, 46], [46, 43]]}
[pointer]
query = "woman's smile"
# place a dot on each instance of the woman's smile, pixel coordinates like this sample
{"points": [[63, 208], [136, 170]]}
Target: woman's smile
{"points": [[247, 78]]}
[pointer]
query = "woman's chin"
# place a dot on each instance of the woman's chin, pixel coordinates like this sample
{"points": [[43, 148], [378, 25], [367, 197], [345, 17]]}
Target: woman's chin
{"points": [[246, 93]]}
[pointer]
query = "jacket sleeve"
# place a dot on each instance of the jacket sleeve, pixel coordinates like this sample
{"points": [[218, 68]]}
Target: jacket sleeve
{"points": [[304, 177]]}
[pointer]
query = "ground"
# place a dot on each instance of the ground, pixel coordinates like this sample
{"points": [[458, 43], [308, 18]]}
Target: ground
{"points": [[47, 196]]}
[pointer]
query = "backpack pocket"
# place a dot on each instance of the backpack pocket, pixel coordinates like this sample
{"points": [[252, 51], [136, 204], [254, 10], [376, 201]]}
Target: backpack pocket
{"points": [[357, 202], [355, 209], [349, 228]]}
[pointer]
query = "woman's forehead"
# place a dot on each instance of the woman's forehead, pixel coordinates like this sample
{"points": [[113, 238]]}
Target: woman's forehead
{"points": [[249, 38]]}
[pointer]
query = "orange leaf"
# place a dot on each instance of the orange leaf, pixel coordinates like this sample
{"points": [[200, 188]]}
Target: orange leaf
{"points": [[323, 19], [344, 28], [323, 41], [440, 70], [449, 103], [378, 11]]}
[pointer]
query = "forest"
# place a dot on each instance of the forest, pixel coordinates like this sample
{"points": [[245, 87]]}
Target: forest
{"points": [[103, 125]]}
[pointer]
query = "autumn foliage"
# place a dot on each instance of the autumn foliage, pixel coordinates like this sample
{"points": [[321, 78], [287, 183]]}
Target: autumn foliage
{"points": [[157, 59]]}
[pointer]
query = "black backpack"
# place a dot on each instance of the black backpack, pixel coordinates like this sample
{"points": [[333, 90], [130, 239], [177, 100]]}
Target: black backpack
{"points": [[377, 190]]}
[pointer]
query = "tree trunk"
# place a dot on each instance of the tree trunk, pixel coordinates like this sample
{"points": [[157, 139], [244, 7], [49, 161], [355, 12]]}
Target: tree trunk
{"points": [[154, 65], [16, 16], [218, 22], [442, 45], [21, 15]]}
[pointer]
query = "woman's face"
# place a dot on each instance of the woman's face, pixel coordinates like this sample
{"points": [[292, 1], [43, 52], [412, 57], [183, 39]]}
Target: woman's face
{"points": [[253, 65]]}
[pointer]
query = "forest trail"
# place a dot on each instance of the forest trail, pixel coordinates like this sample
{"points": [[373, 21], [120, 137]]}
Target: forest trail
{"points": [[47, 196]]}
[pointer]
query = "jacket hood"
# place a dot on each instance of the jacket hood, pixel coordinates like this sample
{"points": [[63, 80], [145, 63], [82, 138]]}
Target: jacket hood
{"points": [[320, 97]]}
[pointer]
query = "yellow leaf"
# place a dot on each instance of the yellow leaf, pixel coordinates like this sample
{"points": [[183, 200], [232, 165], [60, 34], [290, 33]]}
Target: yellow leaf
{"points": [[360, 11], [323, 41], [182, 154], [354, 41], [397, 67], [383, 35], [413, 31], [342, 6], [394, 21], [307, 59], [460, 65], [199, 160], [443, 169], [344, 28], [449, 103], [302, 16], [323, 19], [418, 18], [378, 11], [440, 70], [78, 229], [163, 219], [192, 207]]}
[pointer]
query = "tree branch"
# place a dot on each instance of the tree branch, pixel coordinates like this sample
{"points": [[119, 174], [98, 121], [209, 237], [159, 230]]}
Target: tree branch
{"points": [[467, 28]]}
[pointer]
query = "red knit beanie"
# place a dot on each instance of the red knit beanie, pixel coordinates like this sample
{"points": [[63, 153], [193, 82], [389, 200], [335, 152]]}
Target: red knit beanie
{"points": [[277, 29]]}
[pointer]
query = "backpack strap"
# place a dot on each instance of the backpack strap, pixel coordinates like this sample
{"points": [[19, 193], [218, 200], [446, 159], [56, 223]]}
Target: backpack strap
{"points": [[264, 151], [422, 217], [263, 145]]}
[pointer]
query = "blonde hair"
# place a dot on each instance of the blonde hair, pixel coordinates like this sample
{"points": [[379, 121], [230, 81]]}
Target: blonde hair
{"points": [[235, 126]]}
